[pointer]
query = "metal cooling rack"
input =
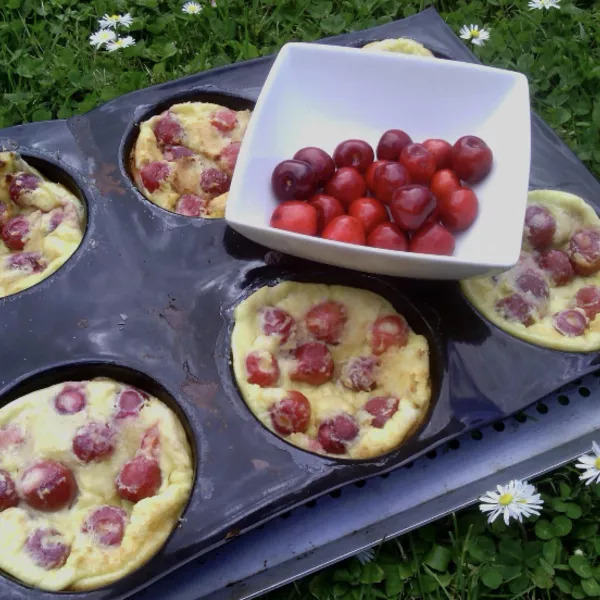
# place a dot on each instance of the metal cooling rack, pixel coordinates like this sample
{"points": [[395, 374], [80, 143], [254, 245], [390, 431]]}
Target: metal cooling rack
{"points": [[546, 435]]}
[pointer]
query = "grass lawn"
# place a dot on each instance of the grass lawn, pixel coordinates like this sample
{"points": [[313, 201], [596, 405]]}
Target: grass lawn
{"points": [[49, 69]]}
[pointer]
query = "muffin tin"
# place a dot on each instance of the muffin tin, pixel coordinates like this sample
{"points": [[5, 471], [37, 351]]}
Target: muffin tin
{"points": [[147, 299]]}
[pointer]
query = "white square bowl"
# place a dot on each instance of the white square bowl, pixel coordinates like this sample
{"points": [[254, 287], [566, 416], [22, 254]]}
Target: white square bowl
{"points": [[319, 95]]}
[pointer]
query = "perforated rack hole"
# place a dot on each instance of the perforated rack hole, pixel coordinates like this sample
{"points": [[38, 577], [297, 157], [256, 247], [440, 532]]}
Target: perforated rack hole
{"points": [[409, 465], [335, 493], [454, 444], [563, 400], [583, 391], [577, 381], [476, 435], [311, 504], [431, 454], [384, 475], [286, 515], [521, 417], [596, 373], [500, 426], [360, 484], [541, 408]]}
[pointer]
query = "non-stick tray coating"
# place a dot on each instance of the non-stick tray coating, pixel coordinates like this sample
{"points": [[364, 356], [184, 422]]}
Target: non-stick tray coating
{"points": [[147, 299]]}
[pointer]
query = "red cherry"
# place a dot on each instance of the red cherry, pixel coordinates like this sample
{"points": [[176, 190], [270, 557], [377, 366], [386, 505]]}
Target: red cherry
{"points": [[353, 153], [358, 373], [138, 478], [588, 299], [370, 174], [224, 119], [382, 408], [322, 164], [168, 130], [388, 236], [391, 143], [22, 183], [191, 205], [387, 179], [291, 414], [335, 434], [262, 368], [419, 162], [557, 265], [459, 209], [153, 174], [8, 491], [15, 233], [570, 322], [471, 158], [276, 321], [346, 184], [293, 180], [443, 183], [584, 251], [296, 216], [369, 212], [539, 226], [432, 239], [388, 331], [94, 442], [411, 205], [327, 207], [48, 485], [314, 363], [441, 149], [47, 548], [106, 524], [214, 182], [515, 308], [326, 321], [345, 229]]}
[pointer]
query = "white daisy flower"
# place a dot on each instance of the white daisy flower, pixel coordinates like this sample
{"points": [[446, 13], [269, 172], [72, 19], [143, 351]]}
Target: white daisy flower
{"points": [[120, 43], [473, 33], [101, 37], [191, 8], [541, 4], [126, 20], [109, 21], [590, 465], [516, 500], [365, 556]]}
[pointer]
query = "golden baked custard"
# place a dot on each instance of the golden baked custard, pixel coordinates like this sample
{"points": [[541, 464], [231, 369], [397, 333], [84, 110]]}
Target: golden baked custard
{"points": [[402, 45], [552, 296], [332, 369], [93, 478], [184, 158], [41, 225]]}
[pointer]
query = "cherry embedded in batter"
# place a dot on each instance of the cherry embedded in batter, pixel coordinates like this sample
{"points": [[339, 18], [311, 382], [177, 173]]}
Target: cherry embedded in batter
{"points": [[570, 322], [262, 368], [539, 227], [532, 283], [229, 156], [322, 164], [153, 174], [382, 408], [106, 524], [168, 130], [172, 153], [326, 321], [224, 119], [129, 403], [138, 478], [588, 298], [516, 308], [28, 262], [8, 491], [15, 233], [388, 331], [353, 153], [557, 265], [584, 251], [290, 414], [335, 434], [358, 373], [47, 485], [276, 321], [214, 181], [22, 183], [70, 400], [11, 435], [94, 442], [47, 548], [191, 205], [150, 444], [314, 364]]}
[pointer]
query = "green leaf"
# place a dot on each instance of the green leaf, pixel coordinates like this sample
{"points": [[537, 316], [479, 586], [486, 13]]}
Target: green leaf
{"points": [[510, 551], [541, 579], [584, 531], [580, 565], [591, 587], [559, 505], [405, 570], [596, 121], [491, 577], [544, 529], [482, 548], [371, 573], [41, 114], [333, 24], [577, 592], [438, 558], [319, 585], [573, 511], [561, 525], [551, 550], [340, 589], [343, 575], [547, 567], [563, 585], [394, 582], [518, 585], [508, 571]]}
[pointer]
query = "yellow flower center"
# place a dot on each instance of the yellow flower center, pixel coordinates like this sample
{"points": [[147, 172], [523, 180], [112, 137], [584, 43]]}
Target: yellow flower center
{"points": [[114, 17], [597, 463], [475, 33], [505, 499]]}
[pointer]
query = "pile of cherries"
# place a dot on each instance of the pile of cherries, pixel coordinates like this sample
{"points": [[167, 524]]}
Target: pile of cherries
{"points": [[351, 197]]}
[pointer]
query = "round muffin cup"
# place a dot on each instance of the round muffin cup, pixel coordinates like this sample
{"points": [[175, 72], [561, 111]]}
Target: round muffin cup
{"points": [[417, 319], [127, 149]]}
